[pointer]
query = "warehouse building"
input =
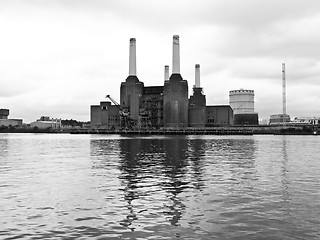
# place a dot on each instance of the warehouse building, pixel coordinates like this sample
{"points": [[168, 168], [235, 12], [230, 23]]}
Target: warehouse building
{"points": [[220, 115], [105, 115]]}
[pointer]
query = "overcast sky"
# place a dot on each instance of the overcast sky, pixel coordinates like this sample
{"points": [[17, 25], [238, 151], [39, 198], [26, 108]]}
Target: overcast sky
{"points": [[58, 57]]}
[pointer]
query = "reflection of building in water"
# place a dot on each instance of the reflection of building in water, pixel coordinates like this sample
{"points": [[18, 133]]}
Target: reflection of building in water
{"points": [[3, 150], [197, 149], [131, 176], [284, 176], [158, 170], [238, 157], [175, 170]]}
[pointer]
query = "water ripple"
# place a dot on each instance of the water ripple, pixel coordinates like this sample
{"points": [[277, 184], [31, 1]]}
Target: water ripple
{"points": [[158, 187]]}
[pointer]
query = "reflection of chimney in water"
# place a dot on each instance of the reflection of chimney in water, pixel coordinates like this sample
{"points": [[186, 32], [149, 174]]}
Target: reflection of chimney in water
{"points": [[176, 55], [132, 58], [166, 72], [197, 76]]}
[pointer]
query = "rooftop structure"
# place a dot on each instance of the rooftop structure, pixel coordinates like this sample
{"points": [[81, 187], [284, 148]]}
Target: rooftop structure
{"points": [[4, 113]]}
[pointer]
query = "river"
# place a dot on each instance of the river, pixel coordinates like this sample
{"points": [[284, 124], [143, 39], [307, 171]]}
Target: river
{"points": [[63, 186]]}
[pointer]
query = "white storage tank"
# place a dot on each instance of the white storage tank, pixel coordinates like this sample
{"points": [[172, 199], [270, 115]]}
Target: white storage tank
{"points": [[242, 101]]}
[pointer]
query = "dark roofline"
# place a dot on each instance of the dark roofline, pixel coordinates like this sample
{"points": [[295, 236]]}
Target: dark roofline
{"points": [[218, 106]]}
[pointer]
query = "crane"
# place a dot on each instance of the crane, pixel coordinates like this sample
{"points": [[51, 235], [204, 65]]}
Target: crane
{"points": [[112, 100], [125, 120]]}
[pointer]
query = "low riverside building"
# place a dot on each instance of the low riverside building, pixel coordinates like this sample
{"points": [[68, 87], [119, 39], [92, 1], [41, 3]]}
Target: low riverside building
{"points": [[104, 115], [306, 120], [276, 119], [11, 122], [4, 121], [46, 122], [220, 115]]}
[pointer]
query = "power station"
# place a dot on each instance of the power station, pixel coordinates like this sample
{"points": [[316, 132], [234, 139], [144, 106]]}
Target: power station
{"points": [[169, 105]]}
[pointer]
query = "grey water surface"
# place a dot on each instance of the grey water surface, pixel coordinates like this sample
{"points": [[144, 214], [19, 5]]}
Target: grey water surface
{"points": [[62, 186]]}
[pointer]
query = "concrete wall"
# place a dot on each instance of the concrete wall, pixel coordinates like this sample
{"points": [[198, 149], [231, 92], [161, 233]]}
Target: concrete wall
{"points": [[45, 124], [131, 92], [279, 118], [197, 116], [104, 115], [104, 112], [219, 115], [175, 102], [95, 115], [12, 122], [197, 108], [113, 116], [198, 98], [246, 119]]}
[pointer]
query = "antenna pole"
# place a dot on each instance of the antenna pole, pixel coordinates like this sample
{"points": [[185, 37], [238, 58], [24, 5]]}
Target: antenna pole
{"points": [[284, 101]]}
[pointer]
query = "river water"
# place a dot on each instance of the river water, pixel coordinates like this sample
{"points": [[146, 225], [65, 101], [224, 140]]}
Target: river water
{"points": [[62, 186]]}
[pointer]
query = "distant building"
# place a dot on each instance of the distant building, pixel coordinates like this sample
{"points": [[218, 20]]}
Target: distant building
{"points": [[263, 121], [4, 121], [46, 122], [306, 120], [104, 115], [11, 122], [221, 115], [279, 119]]}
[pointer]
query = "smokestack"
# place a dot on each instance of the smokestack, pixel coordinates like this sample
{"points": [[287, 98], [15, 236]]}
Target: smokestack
{"points": [[176, 55], [197, 75], [132, 58], [166, 72]]}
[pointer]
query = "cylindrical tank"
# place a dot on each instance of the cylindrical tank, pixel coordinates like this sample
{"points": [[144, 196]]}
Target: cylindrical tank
{"points": [[242, 101]]}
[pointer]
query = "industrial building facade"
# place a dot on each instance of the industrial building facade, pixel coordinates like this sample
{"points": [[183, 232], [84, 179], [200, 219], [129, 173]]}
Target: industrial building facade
{"points": [[166, 106], [4, 121]]}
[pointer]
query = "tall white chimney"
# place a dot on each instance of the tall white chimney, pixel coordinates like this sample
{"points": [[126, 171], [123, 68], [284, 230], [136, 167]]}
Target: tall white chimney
{"points": [[166, 72], [176, 55], [197, 75], [132, 58]]}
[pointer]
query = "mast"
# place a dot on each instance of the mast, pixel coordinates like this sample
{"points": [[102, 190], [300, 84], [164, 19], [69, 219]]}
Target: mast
{"points": [[284, 100]]}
